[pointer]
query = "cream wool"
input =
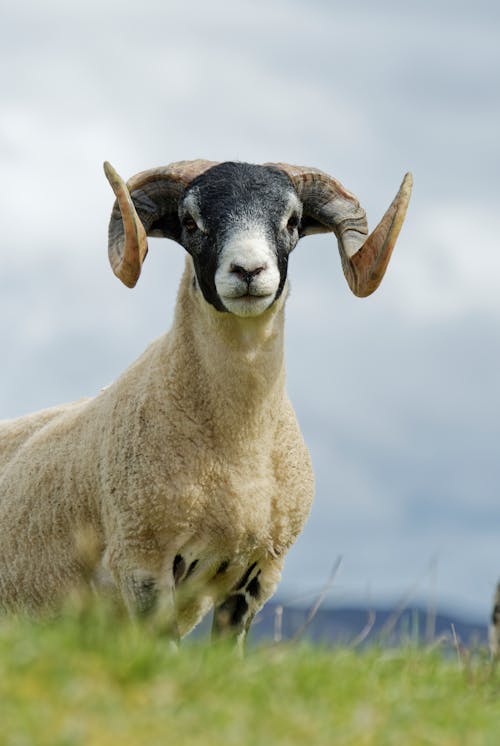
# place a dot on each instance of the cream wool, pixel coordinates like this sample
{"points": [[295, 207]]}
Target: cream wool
{"points": [[189, 472], [161, 460]]}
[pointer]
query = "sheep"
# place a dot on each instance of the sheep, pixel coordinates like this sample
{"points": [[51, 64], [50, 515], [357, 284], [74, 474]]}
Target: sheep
{"points": [[190, 470]]}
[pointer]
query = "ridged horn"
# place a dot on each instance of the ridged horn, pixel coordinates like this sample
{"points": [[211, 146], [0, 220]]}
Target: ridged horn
{"points": [[328, 206], [145, 206]]}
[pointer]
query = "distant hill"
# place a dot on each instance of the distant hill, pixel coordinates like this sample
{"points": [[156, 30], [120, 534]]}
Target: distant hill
{"points": [[358, 625]]}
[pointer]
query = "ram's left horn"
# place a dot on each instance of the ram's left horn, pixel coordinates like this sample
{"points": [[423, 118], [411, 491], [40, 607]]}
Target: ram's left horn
{"points": [[329, 206], [365, 269]]}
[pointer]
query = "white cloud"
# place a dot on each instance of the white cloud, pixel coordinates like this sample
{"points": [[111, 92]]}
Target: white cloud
{"points": [[451, 263]]}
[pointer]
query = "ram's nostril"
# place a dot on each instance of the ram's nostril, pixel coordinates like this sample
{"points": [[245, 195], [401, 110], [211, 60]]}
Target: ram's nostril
{"points": [[235, 269], [258, 270], [246, 275]]}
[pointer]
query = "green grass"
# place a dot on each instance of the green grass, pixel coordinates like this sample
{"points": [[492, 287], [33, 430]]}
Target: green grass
{"points": [[90, 679]]}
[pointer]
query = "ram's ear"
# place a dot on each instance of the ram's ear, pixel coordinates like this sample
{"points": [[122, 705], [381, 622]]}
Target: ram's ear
{"points": [[309, 226], [146, 206]]}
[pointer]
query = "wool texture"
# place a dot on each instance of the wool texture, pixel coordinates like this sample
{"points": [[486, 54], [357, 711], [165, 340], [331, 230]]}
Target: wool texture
{"points": [[193, 451]]}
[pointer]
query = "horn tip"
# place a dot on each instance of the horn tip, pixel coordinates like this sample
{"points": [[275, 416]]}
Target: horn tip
{"points": [[116, 182], [109, 170], [408, 180]]}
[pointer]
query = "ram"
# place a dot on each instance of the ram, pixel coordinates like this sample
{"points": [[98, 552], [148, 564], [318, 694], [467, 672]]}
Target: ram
{"points": [[190, 470]]}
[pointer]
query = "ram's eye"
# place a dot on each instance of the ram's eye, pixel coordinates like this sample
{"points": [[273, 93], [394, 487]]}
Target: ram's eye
{"points": [[189, 224], [293, 222]]}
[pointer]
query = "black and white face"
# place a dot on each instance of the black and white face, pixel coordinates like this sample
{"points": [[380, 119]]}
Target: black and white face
{"points": [[239, 223]]}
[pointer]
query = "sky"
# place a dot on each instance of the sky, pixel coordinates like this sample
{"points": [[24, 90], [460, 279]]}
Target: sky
{"points": [[398, 394]]}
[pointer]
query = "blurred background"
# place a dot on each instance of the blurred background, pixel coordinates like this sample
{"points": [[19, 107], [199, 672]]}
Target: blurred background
{"points": [[398, 395]]}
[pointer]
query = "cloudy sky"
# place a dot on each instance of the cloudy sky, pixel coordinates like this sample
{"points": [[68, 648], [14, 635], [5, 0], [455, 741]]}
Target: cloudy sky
{"points": [[398, 394]]}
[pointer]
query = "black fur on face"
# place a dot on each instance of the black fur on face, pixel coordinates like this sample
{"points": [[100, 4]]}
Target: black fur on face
{"points": [[238, 197]]}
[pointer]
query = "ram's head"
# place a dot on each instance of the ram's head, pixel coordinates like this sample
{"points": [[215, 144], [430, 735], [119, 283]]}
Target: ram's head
{"points": [[239, 222]]}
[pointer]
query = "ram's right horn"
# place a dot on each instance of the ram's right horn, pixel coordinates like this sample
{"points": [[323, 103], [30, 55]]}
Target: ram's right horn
{"points": [[145, 206], [127, 239]]}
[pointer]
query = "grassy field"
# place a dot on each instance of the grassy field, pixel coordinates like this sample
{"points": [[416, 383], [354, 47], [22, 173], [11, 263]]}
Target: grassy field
{"points": [[89, 679]]}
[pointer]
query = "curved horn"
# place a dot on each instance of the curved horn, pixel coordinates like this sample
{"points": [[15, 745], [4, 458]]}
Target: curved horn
{"points": [[145, 206], [328, 206]]}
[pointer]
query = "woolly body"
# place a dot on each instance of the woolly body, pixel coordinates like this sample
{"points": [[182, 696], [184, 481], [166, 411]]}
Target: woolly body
{"points": [[193, 451]]}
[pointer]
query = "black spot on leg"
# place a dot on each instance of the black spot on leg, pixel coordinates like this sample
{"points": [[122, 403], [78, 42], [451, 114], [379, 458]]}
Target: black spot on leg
{"points": [[245, 577], [253, 588], [240, 609], [178, 568], [191, 568], [178, 560], [222, 568], [233, 609]]}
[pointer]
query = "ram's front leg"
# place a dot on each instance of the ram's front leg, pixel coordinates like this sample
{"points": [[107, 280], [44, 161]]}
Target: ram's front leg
{"points": [[148, 594], [233, 617], [151, 599]]}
